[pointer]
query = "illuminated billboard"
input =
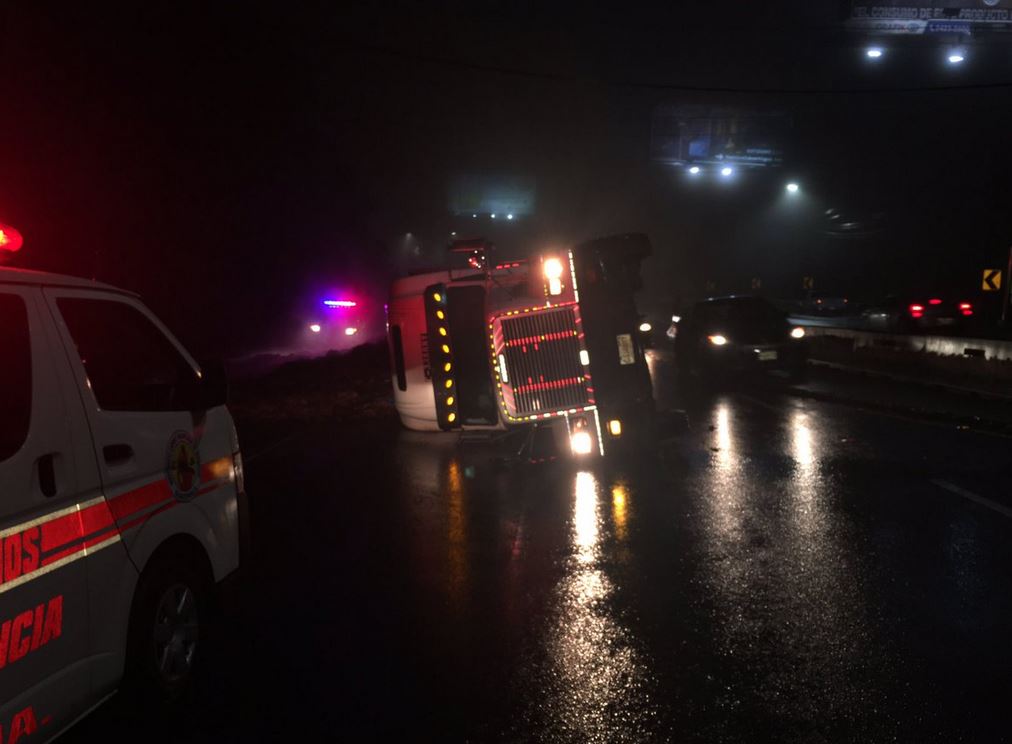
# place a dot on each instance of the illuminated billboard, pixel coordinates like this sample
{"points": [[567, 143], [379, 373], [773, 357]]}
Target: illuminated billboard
{"points": [[684, 134], [930, 16], [488, 194]]}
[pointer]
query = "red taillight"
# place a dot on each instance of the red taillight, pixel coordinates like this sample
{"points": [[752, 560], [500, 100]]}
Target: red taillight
{"points": [[934, 301], [966, 308], [916, 311]]}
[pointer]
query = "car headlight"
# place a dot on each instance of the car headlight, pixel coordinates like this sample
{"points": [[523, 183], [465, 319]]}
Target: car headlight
{"points": [[717, 339], [645, 327], [798, 332]]}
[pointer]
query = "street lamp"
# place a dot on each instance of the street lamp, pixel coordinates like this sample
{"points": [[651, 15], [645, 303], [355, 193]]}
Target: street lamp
{"points": [[873, 52], [792, 188], [956, 57]]}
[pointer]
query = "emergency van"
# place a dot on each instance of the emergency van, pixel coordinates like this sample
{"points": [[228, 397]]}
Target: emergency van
{"points": [[545, 341], [122, 501]]}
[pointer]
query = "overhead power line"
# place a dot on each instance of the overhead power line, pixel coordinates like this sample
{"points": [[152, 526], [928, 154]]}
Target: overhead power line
{"points": [[552, 76]]}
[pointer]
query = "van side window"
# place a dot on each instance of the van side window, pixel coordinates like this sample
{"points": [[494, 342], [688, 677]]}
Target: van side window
{"points": [[131, 365], [15, 375]]}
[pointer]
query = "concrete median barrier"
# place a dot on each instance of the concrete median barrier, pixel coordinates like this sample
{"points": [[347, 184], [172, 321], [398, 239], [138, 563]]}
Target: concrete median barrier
{"points": [[980, 366]]}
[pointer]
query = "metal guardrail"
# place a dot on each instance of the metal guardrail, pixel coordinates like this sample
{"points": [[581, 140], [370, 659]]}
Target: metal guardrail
{"points": [[991, 349]]}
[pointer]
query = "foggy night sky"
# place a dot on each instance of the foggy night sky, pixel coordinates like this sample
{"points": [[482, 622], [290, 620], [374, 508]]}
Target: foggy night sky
{"points": [[222, 162]]}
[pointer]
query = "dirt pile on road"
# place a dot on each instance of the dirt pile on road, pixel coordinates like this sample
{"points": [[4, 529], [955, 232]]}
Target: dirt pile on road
{"points": [[346, 385]]}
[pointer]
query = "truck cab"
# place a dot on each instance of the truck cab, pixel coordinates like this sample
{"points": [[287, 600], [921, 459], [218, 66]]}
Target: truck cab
{"points": [[547, 340]]}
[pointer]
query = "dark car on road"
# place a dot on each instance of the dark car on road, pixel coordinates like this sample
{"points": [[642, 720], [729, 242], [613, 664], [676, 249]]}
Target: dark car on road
{"points": [[726, 336]]}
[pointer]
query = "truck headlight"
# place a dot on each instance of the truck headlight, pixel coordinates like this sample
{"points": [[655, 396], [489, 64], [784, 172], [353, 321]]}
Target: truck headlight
{"points": [[553, 273], [553, 268], [581, 443]]}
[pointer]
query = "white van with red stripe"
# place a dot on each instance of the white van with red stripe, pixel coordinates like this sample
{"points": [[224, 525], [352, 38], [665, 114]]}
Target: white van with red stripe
{"points": [[121, 500]]}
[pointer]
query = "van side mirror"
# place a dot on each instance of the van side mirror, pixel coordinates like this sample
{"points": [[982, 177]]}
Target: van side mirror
{"points": [[213, 383]]}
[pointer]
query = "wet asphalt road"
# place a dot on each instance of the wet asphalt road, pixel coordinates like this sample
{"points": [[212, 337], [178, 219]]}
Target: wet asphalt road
{"points": [[785, 570]]}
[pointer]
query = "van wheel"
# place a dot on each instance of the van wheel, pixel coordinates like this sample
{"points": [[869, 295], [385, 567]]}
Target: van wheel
{"points": [[170, 614]]}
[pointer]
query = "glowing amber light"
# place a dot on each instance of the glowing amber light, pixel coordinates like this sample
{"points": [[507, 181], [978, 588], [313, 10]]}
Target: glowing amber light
{"points": [[437, 297], [220, 468], [451, 417], [615, 427], [442, 331], [446, 367], [446, 349], [449, 384], [440, 314], [449, 400]]}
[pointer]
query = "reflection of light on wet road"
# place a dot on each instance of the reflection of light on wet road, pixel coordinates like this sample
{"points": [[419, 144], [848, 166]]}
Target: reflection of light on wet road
{"points": [[619, 509], [806, 483], [456, 530], [725, 454], [801, 437], [585, 528], [596, 689], [778, 562], [726, 505]]}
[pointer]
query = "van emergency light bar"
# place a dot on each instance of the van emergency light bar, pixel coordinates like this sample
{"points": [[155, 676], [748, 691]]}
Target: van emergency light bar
{"points": [[10, 239], [340, 303]]}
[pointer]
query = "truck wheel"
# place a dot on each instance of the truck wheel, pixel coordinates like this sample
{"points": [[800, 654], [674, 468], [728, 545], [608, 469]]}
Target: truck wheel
{"points": [[170, 614]]}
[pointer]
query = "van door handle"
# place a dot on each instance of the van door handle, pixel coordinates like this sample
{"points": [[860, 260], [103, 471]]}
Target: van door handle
{"points": [[47, 475], [117, 454]]}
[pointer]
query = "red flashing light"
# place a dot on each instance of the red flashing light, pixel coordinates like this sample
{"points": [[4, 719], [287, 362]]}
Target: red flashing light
{"points": [[934, 301], [966, 308], [10, 239], [916, 311]]}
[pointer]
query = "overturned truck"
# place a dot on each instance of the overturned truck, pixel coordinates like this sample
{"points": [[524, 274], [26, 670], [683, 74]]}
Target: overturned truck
{"points": [[546, 342]]}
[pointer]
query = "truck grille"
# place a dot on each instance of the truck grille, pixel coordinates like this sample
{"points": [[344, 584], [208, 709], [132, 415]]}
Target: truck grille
{"points": [[541, 353]]}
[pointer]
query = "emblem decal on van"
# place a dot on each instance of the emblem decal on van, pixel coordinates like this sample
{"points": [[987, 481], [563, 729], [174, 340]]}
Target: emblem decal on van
{"points": [[183, 469]]}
